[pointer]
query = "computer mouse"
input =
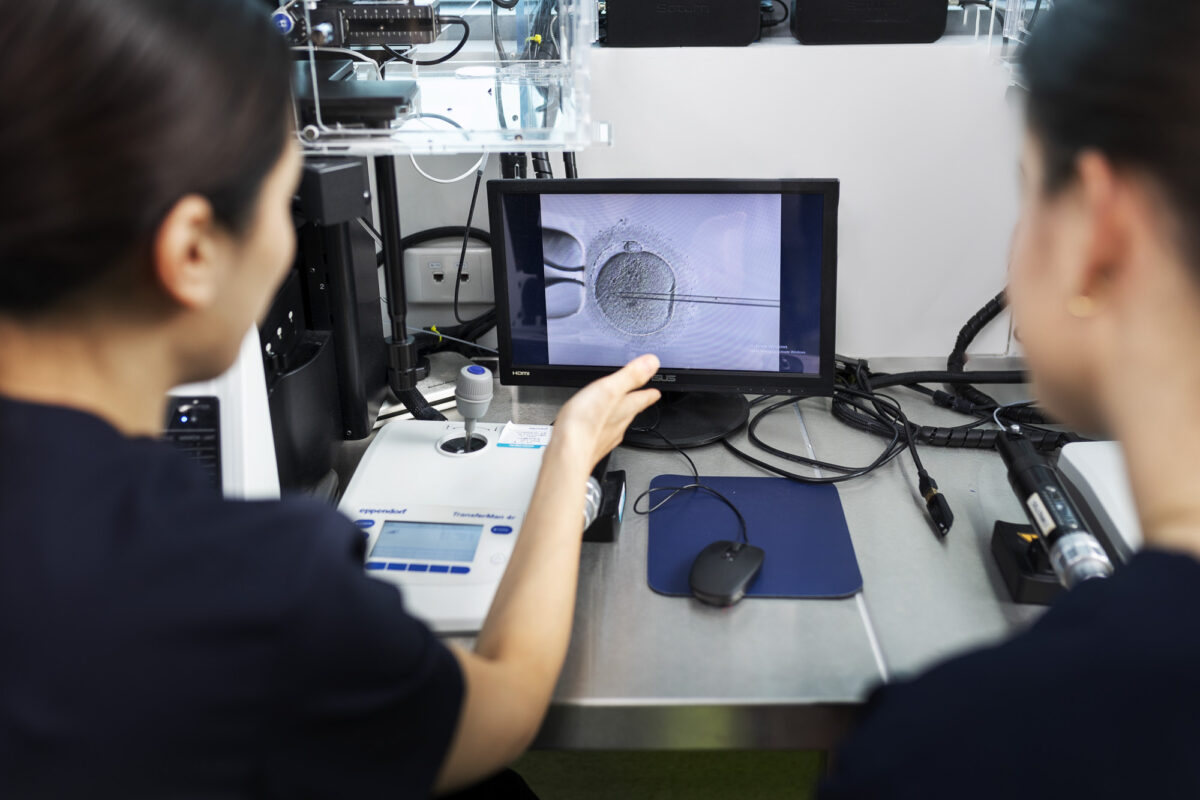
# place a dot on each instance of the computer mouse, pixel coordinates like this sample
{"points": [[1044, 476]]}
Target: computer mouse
{"points": [[723, 572]]}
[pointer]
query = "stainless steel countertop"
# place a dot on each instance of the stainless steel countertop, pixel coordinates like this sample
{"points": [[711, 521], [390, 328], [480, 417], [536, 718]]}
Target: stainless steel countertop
{"points": [[646, 671]]}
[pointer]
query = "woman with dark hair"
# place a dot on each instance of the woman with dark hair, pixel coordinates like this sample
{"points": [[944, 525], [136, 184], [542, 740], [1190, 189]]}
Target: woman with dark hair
{"points": [[156, 640], [1101, 698]]}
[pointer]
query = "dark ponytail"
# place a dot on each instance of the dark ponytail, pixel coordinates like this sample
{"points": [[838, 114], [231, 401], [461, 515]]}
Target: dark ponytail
{"points": [[110, 112], [1121, 77]]}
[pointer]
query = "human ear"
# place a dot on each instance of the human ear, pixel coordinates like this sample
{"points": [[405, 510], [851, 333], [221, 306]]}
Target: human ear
{"points": [[185, 253], [1106, 214]]}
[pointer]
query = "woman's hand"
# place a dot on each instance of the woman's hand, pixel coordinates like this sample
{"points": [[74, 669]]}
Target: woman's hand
{"points": [[593, 422]]}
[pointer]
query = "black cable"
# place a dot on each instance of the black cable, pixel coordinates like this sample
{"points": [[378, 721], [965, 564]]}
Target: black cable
{"points": [[444, 232], [957, 360], [425, 406], [876, 413], [502, 57], [893, 448], [542, 45], [541, 166], [884, 380], [771, 23], [965, 397], [967, 436], [447, 20], [470, 330], [510, 5], [1037, 9], [462, 256], [571, 169], [696, 485]]}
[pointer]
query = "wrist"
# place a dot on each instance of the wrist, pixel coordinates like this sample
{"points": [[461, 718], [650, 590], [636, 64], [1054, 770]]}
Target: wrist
{"points": [[566, 459]]}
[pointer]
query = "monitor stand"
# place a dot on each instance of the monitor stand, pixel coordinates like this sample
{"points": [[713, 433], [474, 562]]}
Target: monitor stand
{"points": [[688, 419]]}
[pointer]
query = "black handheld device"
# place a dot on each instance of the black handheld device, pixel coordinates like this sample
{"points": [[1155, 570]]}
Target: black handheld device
{"points": [[1075, 554]]}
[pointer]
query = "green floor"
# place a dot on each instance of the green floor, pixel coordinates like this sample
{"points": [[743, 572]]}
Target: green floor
{"points": [[557, 775]]}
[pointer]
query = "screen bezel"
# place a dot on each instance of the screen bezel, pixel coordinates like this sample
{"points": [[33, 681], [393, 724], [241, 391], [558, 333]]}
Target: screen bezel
{"points": [[670, 379]]}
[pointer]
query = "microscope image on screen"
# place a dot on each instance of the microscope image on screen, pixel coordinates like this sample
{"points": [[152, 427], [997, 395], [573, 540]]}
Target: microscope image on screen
{"points": [[693, 278]]}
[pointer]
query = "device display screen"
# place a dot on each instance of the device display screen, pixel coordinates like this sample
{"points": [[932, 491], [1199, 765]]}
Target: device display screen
{"points": [[718, 282], [427, 541]]}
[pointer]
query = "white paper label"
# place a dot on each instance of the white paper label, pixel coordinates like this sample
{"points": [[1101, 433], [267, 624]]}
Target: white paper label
{"points": [[527, 436], [1041, 516]]}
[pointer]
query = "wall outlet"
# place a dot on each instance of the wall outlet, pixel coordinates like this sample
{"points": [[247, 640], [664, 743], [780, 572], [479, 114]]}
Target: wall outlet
{"points": [[430, 271]]}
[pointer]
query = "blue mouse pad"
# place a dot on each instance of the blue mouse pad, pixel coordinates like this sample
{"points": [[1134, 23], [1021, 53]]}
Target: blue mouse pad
{"points": [[801, 528]]}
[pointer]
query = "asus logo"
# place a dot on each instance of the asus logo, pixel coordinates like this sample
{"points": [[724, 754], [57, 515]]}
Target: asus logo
{"points": [[520, 372], [678, 8], [663, 379]]}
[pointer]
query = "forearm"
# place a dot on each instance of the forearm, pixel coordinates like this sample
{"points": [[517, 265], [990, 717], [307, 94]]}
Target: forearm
{"points": [[530, 619], [511, 675]]}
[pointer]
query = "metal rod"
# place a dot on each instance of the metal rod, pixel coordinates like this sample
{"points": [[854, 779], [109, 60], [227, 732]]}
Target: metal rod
{"points": [[393, 250], [671, 297]]}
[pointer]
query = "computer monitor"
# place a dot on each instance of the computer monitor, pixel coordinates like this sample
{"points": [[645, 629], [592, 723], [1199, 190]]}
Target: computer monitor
{"points": [[731, 283]]}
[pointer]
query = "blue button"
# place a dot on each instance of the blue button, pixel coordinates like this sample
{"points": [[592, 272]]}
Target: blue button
{"points": [[439, 568], [376, 565], [460, 570], [476, 370], [365, 523], [397, 567], [418, 567], [501, 529], [283, 22]]}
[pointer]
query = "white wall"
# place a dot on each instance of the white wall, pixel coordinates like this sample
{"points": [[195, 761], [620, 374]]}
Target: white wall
{"points": [[921, 137]]}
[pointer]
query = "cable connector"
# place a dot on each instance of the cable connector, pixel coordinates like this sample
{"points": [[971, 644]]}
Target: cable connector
{"points": [[936, 504], [954, 402]]}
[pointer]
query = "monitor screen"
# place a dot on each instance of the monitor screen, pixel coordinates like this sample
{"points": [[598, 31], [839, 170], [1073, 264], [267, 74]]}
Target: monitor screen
{"points": [[427, 541], [729, 283]]}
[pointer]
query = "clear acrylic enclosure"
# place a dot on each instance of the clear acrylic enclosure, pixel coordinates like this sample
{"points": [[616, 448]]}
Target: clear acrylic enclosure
{"points": [[377, 77]]}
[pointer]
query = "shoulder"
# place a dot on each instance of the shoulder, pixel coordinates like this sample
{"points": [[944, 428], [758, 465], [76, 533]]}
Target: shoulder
{"points": [[1084, 684]]}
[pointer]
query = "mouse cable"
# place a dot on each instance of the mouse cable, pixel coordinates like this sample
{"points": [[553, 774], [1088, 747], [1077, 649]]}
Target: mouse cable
{"points": [[885, 417], [743, 533]]}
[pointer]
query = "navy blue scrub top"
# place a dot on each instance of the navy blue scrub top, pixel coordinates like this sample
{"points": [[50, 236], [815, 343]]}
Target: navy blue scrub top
{"points": [[1099, 699], [158, 641]]}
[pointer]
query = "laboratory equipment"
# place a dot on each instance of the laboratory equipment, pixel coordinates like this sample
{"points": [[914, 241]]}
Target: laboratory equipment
{"points": [[869, 21], [504, 77], [472, 396], [1096, 473], [322, 342], [730, 283], [1075, 553], [440, 522], [344, 23], [680, 23], [225, 425]]}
